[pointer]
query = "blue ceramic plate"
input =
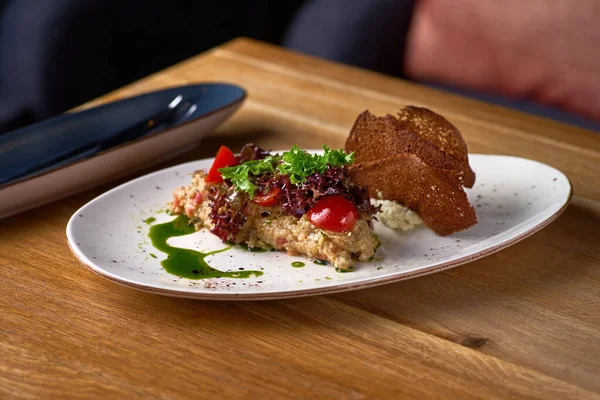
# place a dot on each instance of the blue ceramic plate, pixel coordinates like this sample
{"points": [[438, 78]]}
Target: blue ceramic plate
{"points": [[75, 151]]}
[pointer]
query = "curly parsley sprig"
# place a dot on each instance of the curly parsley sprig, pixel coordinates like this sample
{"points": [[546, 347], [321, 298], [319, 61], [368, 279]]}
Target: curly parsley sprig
{"points": [[296, 163]]}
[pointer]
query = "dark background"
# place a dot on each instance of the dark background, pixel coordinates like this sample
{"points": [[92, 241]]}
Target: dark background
{"points": [[57, 54]]}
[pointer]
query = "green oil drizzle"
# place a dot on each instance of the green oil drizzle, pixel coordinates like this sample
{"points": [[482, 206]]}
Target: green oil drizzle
{"points": [[320, 262], [187, 263], [149, 220], [297, 264], [343, 271], [152, 255]]}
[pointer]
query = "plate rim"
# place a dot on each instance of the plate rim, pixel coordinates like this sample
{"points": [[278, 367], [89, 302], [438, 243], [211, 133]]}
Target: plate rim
{"points": [[297, 293]]}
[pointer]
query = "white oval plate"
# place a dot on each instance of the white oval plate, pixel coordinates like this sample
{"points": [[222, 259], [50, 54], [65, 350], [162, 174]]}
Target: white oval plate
{"points": [[513, 197]]}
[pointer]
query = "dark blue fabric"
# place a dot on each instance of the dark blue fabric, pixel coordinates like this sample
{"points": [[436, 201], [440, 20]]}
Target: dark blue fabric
{"points": [[56, 54], [367, 34]]}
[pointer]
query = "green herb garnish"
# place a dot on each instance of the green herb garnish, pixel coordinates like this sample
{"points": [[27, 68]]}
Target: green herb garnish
{"points": [[298, 164], [240, 174]]}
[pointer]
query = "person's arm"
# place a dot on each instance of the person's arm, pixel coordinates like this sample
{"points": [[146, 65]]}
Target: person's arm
{"points": [[543, 50]]}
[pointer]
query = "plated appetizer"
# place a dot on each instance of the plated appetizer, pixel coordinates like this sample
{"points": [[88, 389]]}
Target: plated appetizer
{"points": [[297, 202], [403, 171]]}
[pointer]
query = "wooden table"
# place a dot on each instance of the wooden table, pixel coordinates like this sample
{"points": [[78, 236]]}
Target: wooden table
{"points": [[521, 323]]}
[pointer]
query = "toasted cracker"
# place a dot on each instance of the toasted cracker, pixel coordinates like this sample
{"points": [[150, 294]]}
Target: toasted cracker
{"points": [[419, 160]]}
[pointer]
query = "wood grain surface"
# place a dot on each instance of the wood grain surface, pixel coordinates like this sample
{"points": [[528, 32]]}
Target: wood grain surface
{"points": [[523, 323]]}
